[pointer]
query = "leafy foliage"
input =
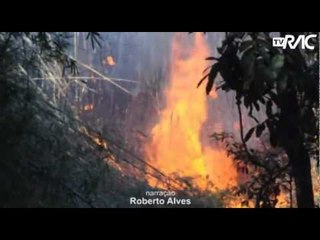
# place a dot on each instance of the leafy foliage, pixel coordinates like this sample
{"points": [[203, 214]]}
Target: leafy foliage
{"points": [[95, 38], [286, 83], [266, 169], [49, 158], [260, 73]]}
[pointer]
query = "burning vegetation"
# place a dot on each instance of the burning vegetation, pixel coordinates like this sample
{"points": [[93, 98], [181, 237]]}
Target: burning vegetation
{"points": [[176, 144], [99, 141]]}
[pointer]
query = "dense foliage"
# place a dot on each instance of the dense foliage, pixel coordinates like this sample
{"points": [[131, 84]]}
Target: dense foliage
{"points": [[49, 157], [284, 84]]}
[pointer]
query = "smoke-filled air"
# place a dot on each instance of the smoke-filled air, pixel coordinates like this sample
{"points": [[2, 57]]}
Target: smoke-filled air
{"points": [[160, 120]]}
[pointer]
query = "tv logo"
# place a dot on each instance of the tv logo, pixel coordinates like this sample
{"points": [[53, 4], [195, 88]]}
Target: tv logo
{"points": [[289, 40]]}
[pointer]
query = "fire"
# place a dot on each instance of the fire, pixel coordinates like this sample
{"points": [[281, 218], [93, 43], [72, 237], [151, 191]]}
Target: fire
{"points": [[283, 201], [177, 144], [111, 159], [109, 61], [88, 107], [100, 142], [316, 182]]}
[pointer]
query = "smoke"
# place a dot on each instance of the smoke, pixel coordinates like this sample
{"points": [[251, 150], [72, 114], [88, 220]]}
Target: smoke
{"points": [[144, 57]]}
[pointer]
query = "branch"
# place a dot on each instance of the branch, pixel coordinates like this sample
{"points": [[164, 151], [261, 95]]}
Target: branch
{"points": [[101, 75], [257, 163], [241, 129]]}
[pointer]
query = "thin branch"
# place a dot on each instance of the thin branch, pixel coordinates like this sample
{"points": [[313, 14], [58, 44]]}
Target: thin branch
{"points": [[252, 160], [241, 129], [101, 75], [118, 146], [254, 118], [83, 77]]}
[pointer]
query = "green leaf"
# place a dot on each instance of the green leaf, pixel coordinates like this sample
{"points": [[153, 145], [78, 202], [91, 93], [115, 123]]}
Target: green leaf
{"points": [[275, 67], [249, 134], [202, 79], [248, 64], [212, 75], [223, 87], [206, 69], [274, 97], [260, 128], [277, 62], [250, 110], [212, 58], [265, 54], [245, 46], [95, 38], [282, 83], [264, 43]]}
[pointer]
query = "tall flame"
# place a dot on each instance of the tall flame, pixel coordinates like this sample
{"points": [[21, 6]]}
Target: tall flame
{"points": [[177, 144]]}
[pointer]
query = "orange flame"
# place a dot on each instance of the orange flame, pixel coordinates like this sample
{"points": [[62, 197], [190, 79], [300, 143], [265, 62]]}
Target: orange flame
{"points": [[100, 142], [176, 145], [109, 61], [283, 201], [88, 107]]}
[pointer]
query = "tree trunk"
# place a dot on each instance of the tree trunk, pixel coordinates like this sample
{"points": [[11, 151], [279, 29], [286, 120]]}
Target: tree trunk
{"points": [[293, 141], [301, 172]]}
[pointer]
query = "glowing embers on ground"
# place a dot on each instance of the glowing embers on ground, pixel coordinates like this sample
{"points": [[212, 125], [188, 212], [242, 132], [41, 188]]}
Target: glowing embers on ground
{"points": [[176, 145]]}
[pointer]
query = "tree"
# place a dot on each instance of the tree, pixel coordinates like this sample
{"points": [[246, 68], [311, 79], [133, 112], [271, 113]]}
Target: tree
{"points": [[285, 82], [36, 140]]}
